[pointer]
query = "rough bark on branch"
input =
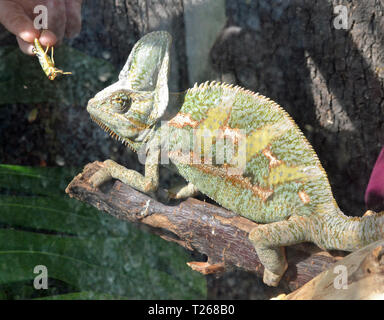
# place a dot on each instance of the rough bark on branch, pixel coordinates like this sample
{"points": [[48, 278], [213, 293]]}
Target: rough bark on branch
{"points": [[196, 225], [364, 278]]}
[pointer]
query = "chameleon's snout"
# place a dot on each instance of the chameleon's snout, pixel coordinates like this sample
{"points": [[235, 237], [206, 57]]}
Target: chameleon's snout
{"points": [[90, 101], [89, 108]]}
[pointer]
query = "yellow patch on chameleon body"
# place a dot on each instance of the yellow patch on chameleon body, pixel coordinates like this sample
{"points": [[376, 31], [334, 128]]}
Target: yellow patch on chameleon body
{"points": [[215, 119], [210, 128], [261, 138], [217, 116], [283, 173]]}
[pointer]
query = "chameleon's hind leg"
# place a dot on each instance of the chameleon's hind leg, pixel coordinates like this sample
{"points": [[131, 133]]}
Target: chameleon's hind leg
{"points": [[269, 240]]}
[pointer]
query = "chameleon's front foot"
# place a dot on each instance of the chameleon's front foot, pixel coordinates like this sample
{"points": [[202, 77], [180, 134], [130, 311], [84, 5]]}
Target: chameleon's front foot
{"points": [[272, 279], [112, 170], [99, 177], [183, 192]]}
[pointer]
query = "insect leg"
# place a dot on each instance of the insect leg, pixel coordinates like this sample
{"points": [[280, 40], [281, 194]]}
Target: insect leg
{"points": [[53, 61]]}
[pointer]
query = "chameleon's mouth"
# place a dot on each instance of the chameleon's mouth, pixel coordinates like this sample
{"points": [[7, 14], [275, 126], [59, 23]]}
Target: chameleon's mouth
{"points": [[112, 133]]}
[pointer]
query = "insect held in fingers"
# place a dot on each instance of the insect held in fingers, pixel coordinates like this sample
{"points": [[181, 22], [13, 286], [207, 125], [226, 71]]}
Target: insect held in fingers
{"points": [[47, 63]]}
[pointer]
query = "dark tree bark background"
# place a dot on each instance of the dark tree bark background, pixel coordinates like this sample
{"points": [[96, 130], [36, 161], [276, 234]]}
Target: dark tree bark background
{"points": [[329, 80]]}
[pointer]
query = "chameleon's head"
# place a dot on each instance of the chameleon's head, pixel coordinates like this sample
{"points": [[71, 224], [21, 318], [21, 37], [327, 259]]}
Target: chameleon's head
{"points": [[124, 115], [129, 108]]}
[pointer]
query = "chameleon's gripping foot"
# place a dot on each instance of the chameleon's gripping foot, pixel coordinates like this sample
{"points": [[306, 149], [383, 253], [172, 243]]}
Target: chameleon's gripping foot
{"points": [[183, 192], [269, 241], [99, 177], [105, 173], [272, 279]]}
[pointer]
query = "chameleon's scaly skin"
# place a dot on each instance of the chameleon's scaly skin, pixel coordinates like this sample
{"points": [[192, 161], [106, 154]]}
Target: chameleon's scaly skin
{"points": [[281, 182]]}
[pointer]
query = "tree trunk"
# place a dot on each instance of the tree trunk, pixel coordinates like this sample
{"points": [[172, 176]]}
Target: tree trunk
{"points": [[111, 28]]}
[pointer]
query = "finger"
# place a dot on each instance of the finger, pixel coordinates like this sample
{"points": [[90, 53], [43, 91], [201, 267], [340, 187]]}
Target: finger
{"points": [[48, 38], [73, 26], [15, 20], [25, 47], [56, 18]]}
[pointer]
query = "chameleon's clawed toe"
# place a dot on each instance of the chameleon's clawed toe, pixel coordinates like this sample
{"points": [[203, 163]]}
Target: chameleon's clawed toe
{"points": [[272, 279]]}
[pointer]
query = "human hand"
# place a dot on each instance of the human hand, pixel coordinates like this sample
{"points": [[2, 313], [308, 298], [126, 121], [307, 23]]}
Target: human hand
{"points": [[64, 19]]}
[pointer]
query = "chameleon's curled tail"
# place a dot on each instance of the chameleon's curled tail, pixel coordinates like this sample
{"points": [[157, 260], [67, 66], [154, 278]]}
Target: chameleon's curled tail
{"points": [[338, 231]]}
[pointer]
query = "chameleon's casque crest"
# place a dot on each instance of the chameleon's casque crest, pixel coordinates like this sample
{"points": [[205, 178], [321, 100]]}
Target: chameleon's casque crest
{"points": [[142, 86]]}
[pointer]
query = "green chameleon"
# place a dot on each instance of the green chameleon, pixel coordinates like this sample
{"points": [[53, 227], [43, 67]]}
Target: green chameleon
{"points": [[237, 147]]}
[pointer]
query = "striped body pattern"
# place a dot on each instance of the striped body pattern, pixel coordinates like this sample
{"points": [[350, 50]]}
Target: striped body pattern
{"points": [[239, 148], [282, 176]]}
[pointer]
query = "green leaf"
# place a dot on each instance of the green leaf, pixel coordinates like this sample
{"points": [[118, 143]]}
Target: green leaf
{"points": [[64, 217], [88, 254], [36, 181]]}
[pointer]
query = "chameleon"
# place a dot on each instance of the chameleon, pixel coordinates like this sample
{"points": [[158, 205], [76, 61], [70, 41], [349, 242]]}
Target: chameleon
{"points": [[237, 147], [47, 63]]}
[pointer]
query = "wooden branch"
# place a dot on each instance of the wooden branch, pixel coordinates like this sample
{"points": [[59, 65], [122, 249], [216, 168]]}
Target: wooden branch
{"points": [[363, 278], [196, 225]]}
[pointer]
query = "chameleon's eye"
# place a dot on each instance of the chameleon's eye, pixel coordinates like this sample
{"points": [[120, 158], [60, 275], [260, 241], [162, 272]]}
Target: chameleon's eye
{"points": [[121, 103]]}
